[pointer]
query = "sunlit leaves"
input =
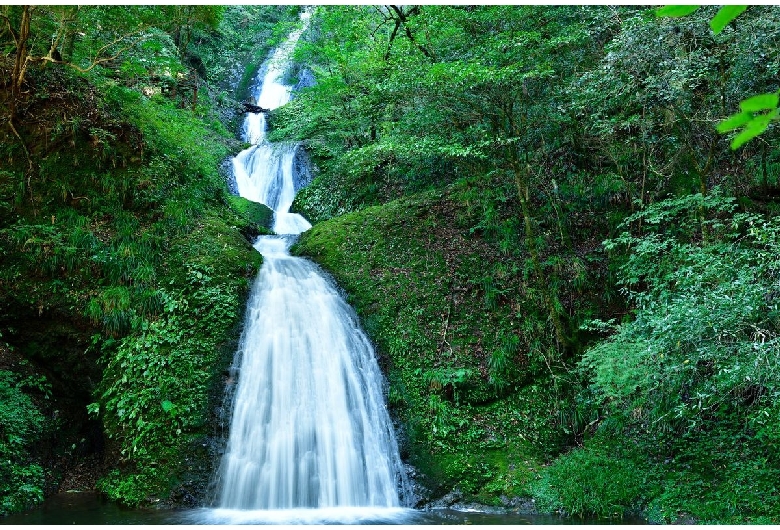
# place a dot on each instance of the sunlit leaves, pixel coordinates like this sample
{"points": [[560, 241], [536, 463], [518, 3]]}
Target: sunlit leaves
{"points": [[676, 11], [752, 124], [725, 15], [759, 103]]}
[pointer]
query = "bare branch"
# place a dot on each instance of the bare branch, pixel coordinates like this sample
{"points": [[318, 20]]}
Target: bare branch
{"points": [[96, 60], [401, 19], [24, 147]]}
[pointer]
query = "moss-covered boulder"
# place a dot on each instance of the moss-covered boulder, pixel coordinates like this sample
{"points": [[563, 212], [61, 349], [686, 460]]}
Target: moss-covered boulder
{"points": [[255, 218]]}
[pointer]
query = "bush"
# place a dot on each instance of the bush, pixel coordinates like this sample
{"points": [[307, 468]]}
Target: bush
{"points": [[21, 425], [586, 481]]}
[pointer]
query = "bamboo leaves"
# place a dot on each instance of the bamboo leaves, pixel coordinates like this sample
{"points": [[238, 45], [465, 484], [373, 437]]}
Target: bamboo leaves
{"points": [[725, 15], [675, 11], [721, 19]]}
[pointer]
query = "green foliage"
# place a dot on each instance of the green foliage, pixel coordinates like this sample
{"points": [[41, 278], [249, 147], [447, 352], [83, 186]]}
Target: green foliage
{"points": [[692, 376], [122, 227], [22, 424], [757, 114], [133, 490], [705, 331], [725, 15], [721, 19], [752, 125], [732, 489], [675, 11], [591, 481], [154, 395], [412, 277]]}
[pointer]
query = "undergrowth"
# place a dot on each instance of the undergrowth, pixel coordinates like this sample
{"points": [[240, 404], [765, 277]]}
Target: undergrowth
{"points": [[121, 243], [469, 356]]}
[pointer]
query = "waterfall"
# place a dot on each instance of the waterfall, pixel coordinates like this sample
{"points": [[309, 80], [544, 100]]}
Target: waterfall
{"points": [[309, 428]]}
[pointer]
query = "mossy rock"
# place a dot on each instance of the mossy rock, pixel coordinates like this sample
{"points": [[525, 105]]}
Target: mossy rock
{"points": [[256, 218]]}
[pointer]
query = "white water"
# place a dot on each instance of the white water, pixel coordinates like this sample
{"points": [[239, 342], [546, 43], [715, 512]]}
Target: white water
{"points": [[310, 436], [264, 172]]}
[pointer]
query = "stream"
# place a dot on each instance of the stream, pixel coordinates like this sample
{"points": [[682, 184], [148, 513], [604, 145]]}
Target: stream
{"points": [[89, 509]]}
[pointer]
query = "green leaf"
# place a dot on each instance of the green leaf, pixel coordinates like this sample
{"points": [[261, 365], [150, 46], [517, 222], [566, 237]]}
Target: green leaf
{"points": [[756, 126], [167, 406], [93, 409], [725, 15], [759, 102], [675, 11], [734, 122]]}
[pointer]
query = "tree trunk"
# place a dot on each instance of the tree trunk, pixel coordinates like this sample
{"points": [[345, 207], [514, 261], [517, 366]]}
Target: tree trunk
{"points": [[21, 60]]}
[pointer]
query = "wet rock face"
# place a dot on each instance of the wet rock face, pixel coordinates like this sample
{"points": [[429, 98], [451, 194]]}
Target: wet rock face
{"points": [[226, 171], [302, 168], [305, 79]]}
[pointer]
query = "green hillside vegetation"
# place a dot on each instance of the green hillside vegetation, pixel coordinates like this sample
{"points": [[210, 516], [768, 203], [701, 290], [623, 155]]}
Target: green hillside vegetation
{"points": [[123, 269], [569, 273]]}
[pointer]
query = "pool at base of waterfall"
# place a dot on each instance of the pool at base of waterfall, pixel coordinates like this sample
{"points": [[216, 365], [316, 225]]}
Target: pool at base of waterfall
{"points": [[90, 508]]}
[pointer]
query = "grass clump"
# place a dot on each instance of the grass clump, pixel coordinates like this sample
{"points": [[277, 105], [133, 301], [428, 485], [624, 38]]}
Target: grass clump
{"points": [[591, 481]]}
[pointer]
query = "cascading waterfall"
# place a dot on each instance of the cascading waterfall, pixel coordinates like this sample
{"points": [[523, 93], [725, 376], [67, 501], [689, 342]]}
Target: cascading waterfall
{"points": [[309, 427]]}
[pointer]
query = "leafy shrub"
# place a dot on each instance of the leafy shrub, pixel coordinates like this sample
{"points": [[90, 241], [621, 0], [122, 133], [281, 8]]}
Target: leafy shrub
{"points": [[705, 334], [692, 378], [156, 382], [586, 481], [21, 425]]}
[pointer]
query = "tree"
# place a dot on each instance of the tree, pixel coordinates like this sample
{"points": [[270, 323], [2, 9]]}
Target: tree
{"points": [[468, 91], [756, 112]]}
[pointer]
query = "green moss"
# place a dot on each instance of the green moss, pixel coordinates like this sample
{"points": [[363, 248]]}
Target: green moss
{"points": [[415, 278], [254, 216]]}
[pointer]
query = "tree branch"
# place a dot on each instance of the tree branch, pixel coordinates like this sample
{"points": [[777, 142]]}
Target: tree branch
{"points": [[24, 147], [401, 19], [96, 60]]}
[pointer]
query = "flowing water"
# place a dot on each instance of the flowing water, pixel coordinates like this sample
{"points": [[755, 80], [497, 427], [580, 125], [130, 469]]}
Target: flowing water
{"points": [[89, 509], [309, 429]]}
